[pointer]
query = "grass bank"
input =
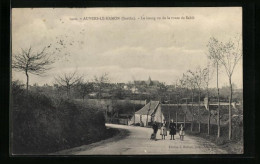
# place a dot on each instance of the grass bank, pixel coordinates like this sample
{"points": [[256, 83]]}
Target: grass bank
{"points": [[42, 124], [231, 146]]}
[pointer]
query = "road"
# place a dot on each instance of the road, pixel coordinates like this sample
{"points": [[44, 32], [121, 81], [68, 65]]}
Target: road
{"points": [[136, 141]]}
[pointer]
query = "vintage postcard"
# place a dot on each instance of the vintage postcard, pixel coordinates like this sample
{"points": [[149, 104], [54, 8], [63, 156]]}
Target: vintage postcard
{"points": [[126, 81]]}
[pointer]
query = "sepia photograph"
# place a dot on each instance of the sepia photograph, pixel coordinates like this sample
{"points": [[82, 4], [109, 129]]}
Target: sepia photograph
{"points": [[126, 81]]}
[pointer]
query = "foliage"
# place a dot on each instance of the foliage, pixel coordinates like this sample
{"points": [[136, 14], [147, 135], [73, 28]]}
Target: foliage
{"points": [[41, 125], [83, 89]]}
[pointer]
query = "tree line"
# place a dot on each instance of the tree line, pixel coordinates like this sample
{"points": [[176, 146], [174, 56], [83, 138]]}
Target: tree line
{"points": [[221, 55]]}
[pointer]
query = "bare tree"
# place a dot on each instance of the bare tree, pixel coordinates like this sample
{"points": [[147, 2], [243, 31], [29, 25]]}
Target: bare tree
{"points": [[214, 48], [132, 89], [190, 84], [230, 56], [206, 78], [161, 91], [198, 80], [84, 88], [68, 80], [27, 61], [182, 87], [178, 93], [101, 82]]}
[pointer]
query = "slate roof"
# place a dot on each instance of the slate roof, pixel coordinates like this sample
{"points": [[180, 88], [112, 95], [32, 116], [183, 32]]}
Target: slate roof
{"points": [[149, 108]]}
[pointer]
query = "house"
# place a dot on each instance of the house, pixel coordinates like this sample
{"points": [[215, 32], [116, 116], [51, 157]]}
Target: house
{"points": [[179, 113], [182, 113], [149, 113], [156, 111]]}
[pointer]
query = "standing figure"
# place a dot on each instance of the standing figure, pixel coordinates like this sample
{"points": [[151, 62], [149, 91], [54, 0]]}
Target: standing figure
{"points": [[182, 132], [163, 131], [172, 129], [155, 129]]}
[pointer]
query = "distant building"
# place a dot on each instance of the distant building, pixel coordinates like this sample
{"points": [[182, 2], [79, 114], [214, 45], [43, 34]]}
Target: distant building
{"points": [[149, 82], [180, 113], [149, 113]]}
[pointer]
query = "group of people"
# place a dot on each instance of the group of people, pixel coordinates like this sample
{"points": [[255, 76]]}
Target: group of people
{"points": [[172, 129]]}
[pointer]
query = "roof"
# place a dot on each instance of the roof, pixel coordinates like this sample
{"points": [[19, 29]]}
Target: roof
{"points": [[169, 112], [149, 108]]}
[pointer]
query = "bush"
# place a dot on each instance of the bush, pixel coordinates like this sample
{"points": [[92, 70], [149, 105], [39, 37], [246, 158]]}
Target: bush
{"points": [[41, 125]]}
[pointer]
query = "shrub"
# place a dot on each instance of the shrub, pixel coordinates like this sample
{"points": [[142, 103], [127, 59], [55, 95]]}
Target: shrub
{"points": [[42, 125]]}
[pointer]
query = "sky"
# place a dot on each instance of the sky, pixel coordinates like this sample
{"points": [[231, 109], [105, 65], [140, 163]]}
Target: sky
{"points": [[129, 49]]}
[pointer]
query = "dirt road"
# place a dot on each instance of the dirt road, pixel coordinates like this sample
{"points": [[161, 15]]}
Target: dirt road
{"points": [[136, 141]]}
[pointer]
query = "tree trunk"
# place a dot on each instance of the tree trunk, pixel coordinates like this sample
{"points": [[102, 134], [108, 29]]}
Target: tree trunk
{"points": [[99, 93], [208, 116], [169, 117], [27, 81], [134, 109], [134, 114], [169, 110], [184, 119], [176, 114], [176, 119], [192, 111], [218, 114], [199, 112], [68, 92], [106, 113], [230, 111]]}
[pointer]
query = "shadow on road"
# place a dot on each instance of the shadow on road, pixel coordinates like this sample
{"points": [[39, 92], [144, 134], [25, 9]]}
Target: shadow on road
{"points": [[119, 134]]}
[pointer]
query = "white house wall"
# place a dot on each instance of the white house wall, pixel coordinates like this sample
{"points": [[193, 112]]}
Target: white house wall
{"points": [[138, 119], [158, 117]]}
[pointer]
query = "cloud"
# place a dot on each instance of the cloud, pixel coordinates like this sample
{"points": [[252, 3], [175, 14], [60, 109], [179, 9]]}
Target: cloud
{"points": [[162, 49]]}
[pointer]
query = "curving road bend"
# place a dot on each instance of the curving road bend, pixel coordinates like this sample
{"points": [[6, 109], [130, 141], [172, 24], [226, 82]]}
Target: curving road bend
{"points": [[136, 141]]}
